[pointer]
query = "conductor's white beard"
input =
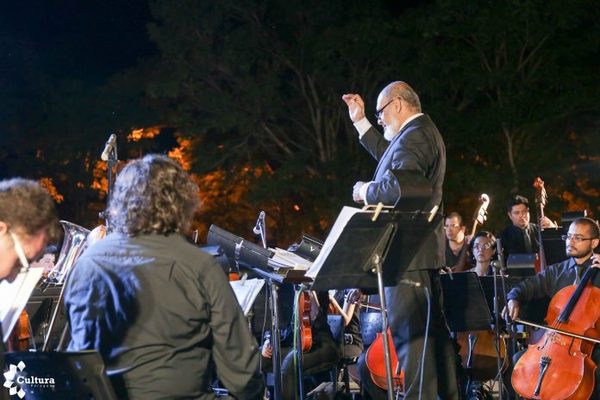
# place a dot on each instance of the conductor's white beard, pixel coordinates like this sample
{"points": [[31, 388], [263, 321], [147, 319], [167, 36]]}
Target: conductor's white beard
{"points": [[390, 132]]}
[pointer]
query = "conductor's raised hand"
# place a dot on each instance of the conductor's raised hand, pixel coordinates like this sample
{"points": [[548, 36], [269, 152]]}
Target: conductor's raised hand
{"points": [[356, 106]]}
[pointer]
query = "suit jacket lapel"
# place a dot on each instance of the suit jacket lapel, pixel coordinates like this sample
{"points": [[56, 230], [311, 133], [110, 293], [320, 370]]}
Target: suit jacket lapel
{"points": [[409, 127]]}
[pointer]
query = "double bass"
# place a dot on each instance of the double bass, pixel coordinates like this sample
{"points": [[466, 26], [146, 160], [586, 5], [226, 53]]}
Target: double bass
{"points": [[560, 366], [541, 199]]}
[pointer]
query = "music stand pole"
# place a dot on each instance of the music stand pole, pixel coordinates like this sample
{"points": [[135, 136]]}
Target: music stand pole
{"points": [[384, 327], [497, 333], [275, 339]]}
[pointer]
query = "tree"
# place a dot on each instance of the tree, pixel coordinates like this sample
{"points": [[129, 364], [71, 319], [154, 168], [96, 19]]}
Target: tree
{"points": [[507, 79], [259, 83]]}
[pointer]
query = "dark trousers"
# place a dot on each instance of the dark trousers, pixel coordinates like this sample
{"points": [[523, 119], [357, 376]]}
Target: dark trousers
{"points": [[431, 354]]}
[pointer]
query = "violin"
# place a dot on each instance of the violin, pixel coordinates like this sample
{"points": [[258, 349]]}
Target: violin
{"points": [[20, 335], [375, 360], [560, 366], [304, 303], [479, 217]]}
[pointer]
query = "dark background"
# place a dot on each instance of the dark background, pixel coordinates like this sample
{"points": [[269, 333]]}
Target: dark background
{"points": [[247, 96]]}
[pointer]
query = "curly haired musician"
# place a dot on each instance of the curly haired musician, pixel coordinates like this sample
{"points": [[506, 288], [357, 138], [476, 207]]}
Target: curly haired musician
{"points": [[160, 311]]}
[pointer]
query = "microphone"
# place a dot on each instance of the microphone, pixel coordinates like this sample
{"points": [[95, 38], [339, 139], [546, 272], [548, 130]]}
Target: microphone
{"points": [[259, 223], [500, 252], [110, 144], [496, 264]]}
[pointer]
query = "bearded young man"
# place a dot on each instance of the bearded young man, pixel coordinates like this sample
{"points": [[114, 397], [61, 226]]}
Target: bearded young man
{"points": [[581, 240]]}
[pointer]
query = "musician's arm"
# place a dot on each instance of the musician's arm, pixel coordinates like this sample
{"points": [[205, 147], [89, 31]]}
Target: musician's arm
{"points": [[543, 284]]}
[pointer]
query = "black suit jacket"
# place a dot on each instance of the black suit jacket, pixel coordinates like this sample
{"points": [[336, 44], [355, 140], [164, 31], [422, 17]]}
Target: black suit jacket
{"points": [[418, 147], [513, 241]]}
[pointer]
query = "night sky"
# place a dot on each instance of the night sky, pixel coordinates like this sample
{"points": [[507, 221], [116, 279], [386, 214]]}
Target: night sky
{"points": [[87, 40], [58, 60]]}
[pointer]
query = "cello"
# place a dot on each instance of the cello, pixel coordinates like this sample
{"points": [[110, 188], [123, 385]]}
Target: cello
{"points": [[375, 361], [560, 366]]}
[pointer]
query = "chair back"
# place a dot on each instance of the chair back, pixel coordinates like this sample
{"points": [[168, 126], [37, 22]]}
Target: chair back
{"points": [[336, 325], [370, 325]]}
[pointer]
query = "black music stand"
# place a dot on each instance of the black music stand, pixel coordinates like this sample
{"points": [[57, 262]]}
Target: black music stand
{"points": [[470, 307], [465, 304], [372, 251], [521, 264], [395, 236], [554, 246], [256, 258], [60, 375]]}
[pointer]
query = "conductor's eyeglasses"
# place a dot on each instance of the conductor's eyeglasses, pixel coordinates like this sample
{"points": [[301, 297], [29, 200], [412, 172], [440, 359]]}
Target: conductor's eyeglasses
{"points": [[380, 111], [576, 238]]}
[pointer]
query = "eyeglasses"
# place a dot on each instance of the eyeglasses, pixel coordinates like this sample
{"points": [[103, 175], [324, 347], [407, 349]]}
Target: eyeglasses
{"points": [[451, 226], [20, 253], [483, 246], [378, 112], [576, 238]]}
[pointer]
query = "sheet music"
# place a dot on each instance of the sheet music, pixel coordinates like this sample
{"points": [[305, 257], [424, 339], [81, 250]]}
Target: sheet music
{"points": [[246, 291], [14, 297], [340, 223], [288, 260]]}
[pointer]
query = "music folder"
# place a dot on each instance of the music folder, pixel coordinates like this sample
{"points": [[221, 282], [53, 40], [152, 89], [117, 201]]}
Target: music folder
{"points": [[14, 297]]}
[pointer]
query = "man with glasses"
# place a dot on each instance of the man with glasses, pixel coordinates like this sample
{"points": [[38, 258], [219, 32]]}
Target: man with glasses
{"points": [[410, 141], [27, 223], [581, 240], [456, 242], [521, 236]]}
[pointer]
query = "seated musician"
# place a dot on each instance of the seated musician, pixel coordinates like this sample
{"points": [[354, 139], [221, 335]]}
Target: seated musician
{"points": [[581, 239], [454, 229], [484, 251], [353, 345], [483, 351], [323, 352], [27, 223], [159, 310]]}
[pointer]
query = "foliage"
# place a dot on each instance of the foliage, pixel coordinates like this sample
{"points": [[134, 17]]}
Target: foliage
{"points": [[254, 88]]}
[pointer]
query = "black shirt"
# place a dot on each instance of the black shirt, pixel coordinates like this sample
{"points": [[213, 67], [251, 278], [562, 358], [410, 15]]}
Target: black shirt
{"points": [[513, 240], [550, 281], [164, 318]]}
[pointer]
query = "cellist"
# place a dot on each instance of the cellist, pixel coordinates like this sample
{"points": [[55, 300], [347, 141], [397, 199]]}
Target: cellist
{"points": [[581, 239]]}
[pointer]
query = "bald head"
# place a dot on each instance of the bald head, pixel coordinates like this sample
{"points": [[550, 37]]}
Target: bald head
{"points": [[403, 91]]}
